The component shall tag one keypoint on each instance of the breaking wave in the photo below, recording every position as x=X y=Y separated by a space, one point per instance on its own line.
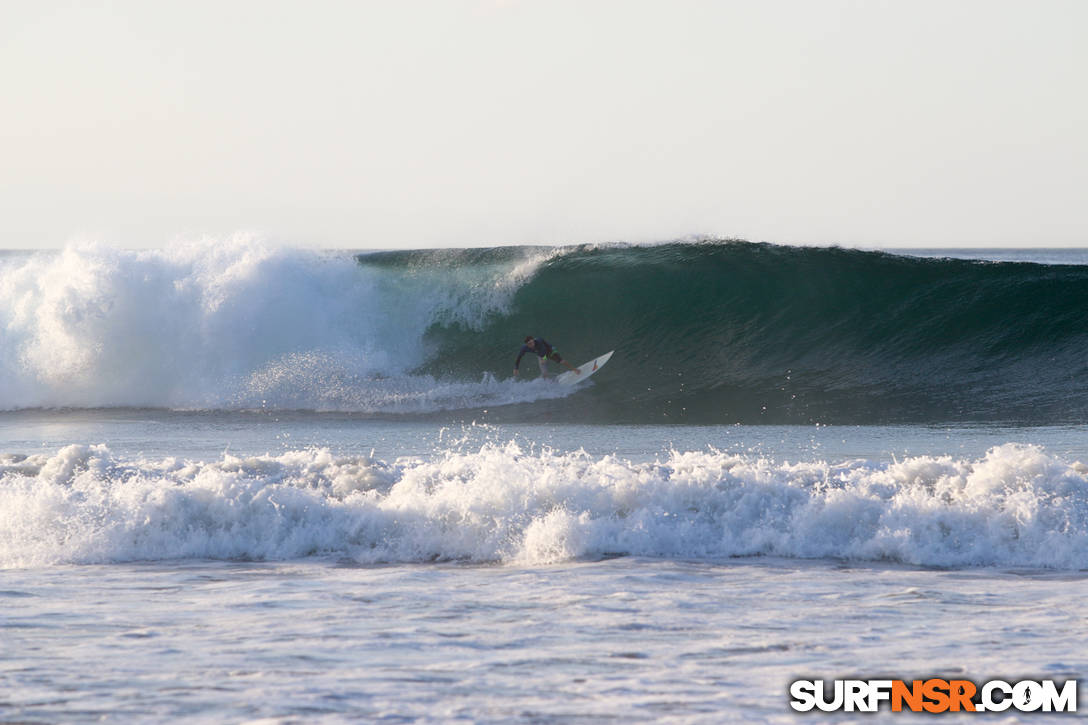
x=711 y=332
x=1016 y=506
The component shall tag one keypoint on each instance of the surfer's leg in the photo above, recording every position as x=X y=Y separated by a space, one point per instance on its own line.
x=555 y=356
x=543 y=366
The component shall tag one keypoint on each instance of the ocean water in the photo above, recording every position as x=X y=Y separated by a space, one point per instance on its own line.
x=244 y=483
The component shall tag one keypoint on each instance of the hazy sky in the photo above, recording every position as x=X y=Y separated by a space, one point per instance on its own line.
x=421 y=124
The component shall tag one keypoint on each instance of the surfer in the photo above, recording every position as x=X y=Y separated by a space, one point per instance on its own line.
x=545 y=352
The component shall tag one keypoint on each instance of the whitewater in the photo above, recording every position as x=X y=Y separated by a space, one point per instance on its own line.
x=242 y=482
x=1015 y=506
x=237 y=325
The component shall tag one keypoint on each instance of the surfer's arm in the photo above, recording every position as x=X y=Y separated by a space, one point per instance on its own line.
x=517 y=363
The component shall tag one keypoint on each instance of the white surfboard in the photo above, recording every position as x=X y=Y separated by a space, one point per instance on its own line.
x=571 y=378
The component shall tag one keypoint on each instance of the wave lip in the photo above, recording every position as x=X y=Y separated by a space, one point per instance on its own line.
x=1015 y=507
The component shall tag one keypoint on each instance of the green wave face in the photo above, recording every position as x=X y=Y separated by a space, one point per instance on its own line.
x=734 y=332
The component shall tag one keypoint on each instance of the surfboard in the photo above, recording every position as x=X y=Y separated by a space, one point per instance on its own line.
x=572 y=378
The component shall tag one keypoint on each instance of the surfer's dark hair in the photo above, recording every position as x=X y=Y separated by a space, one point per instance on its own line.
x=528 y=337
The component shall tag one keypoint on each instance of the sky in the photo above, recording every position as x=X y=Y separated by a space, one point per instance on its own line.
x=415 y=123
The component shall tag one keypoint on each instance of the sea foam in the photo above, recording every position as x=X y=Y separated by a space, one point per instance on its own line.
x=1017 y=506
